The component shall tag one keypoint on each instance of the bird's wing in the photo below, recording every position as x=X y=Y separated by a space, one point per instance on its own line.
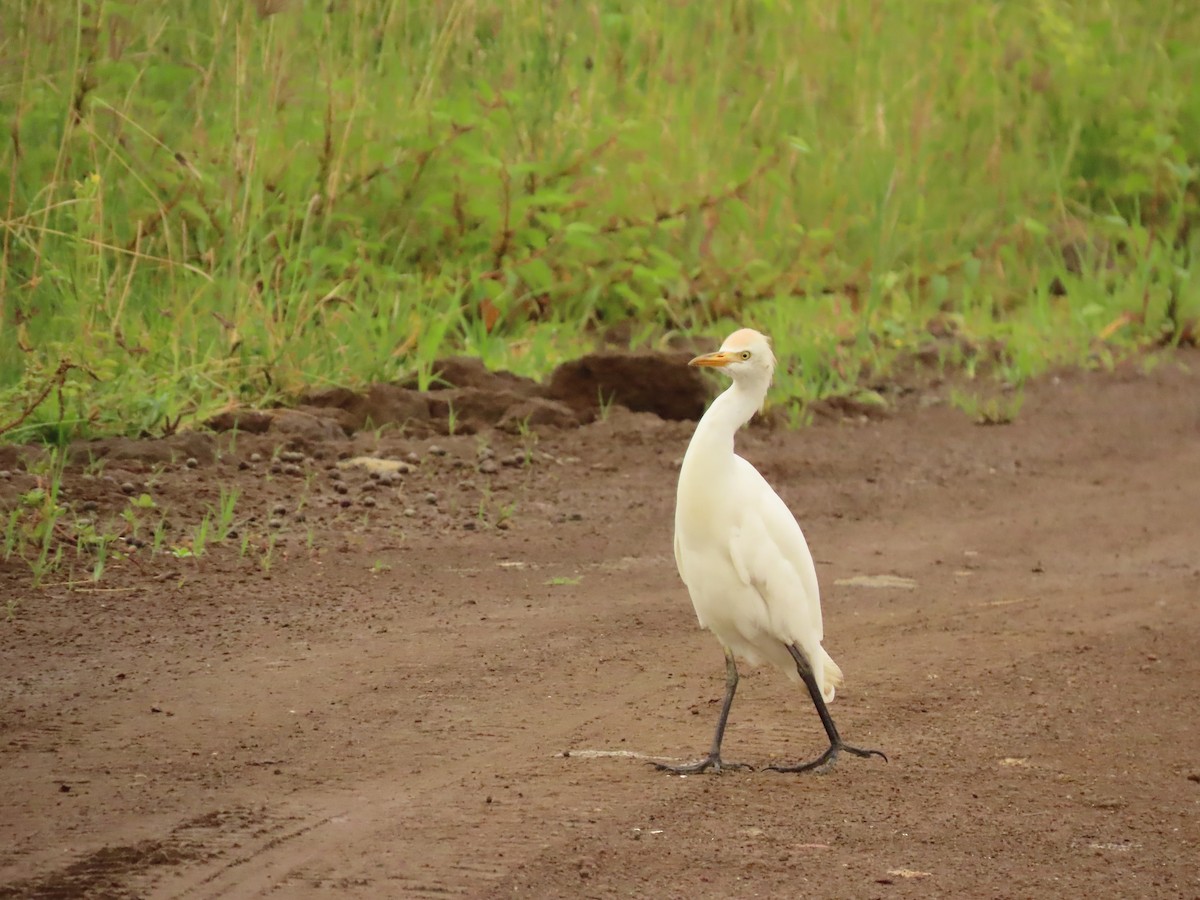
x=769 y=553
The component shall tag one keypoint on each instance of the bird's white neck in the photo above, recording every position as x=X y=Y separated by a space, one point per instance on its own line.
x=729 y=412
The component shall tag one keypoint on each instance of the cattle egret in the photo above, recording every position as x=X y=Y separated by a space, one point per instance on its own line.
x=743 y=557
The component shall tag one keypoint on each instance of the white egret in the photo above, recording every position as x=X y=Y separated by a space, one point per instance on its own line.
x=743 y=557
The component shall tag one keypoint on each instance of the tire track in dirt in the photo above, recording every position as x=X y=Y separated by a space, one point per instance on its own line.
x=278 y=848
x=313 y=853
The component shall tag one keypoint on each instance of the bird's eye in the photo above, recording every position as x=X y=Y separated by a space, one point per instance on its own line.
x=745 y=354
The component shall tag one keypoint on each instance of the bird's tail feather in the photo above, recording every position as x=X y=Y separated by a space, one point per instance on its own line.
x=829 y=676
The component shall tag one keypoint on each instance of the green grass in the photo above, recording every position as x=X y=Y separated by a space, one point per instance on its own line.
x=216 y=202
x=49 y=535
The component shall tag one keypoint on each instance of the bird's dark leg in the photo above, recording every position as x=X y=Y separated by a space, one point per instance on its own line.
x=836 y=745
x=713 y=760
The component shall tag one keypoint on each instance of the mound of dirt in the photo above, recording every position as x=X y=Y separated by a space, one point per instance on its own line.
x=382 y=404
x=661 y=383
x=468 y=372
x=177 y=448
x=466 y=397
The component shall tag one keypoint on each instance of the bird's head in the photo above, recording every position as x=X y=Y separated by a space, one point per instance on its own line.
x=745 y=356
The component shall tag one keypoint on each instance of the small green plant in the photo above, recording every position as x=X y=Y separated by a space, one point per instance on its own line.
x=563 y=580
x=197 y=544
x=200 y=536
x=493 y=514
x=267 y=558
x=993 y=408
x=12 y=533
x=89 y=541
x=799 y=415
x=605 y=403
x=225 y=509
x=529 y=439
x=132 y=514
x=101 y=549
x=159 y=536
x=34 y=528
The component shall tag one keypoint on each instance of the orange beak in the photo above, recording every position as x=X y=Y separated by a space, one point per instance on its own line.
x=715 y=360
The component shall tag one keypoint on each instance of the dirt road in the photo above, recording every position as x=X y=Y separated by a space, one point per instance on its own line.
x=450 y=684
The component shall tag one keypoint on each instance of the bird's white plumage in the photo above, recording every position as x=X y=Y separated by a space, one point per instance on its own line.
x=738 y=547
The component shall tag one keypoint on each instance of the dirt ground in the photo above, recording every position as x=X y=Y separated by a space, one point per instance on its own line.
x=449 y=681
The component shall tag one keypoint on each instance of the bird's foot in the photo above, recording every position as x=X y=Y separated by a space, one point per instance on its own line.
x=702 y=765
x=825 y=761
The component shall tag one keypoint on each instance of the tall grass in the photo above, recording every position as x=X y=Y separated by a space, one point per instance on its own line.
x=212 y=202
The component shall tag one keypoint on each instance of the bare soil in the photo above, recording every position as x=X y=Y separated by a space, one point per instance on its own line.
x=450 y=681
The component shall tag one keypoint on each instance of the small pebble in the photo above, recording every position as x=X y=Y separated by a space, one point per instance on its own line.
x=5 y=474
x=576 y=517
x=373 y=475
x=488 y=467
x=502 y=524
x=255 y=457
x=515 y=460
x=385 y=478
x=409 y=511
x=191 y=462
x=335 y=475
x=292 y=456
x=345 y=502
x=431 y=498
x=340 y=487
x=413 y=457
x=88 y=506
x=276 y=468
x=243 y=465
x=469 y=526
x=436 y=450
x=128 y=488
x=292 y=469
x=368 y=486
x=486 y=453
x=275 y=523
x=278 y=510
x=368 y=501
